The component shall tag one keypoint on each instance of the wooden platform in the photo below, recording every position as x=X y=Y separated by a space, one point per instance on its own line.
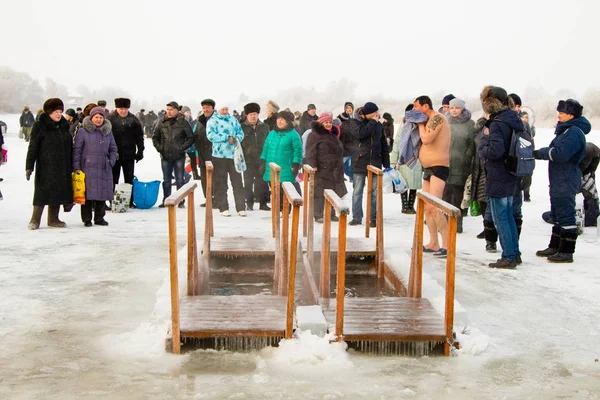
x=242 y=246
x=354 y=246
x=232 y=316
x=387 y=319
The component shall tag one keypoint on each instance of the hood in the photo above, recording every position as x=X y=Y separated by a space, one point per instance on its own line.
x=89 y=126
x=480 y=123
x=511 y=118
x=492 y=105
x=415 y=116
x=580 y=122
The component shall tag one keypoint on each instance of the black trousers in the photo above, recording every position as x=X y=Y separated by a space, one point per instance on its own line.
x=453 y=194
x=193 y=164
x=222 y=168
x=319 y=208
x=97 y=206
x=128 y=167
x=254 y=185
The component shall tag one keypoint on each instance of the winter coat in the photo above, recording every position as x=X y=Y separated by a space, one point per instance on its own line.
x=27 y=119
x=95 y=153
x=478 y=167
x=348 y=140
x=272 y=122
x=462 y=147
x=284 y=148
x=493 y=148
x=565 y=153
x=388 y=129
x=149 y=120
x=324 y=151
x=129 y=136
x=203 y=145
x=141 y=117
x=254 y=141
x=590 y=159
x=372 y=148
x=413 y=176
x=172 y=137
x=49 y=155
x=218 y=130
x=305 y=120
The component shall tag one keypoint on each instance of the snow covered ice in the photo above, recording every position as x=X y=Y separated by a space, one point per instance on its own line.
x=84 y=313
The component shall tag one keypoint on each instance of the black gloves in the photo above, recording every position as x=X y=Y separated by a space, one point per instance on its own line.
x=28 y=174
x=139 y=156
x=536 y=155
x=295 y=169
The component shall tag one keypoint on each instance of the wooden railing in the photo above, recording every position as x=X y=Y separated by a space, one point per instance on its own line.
x=415 y=280
x=379 y=256
x=308 y=224
x=193 y=284
x=289 y=251
x=276 y=217
x=208 y=223
x=333 y=200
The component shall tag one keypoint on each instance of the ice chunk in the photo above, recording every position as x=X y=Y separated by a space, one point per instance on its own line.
x=311 y=318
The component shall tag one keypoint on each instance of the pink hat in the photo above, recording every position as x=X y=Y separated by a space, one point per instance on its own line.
x=326 y=116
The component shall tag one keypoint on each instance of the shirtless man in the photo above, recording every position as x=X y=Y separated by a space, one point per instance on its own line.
x=435 y=158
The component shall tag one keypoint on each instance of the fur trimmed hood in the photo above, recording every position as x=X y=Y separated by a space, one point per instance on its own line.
x=491 y=104
x=319 y=128
x=50 y=124
x=89 y=126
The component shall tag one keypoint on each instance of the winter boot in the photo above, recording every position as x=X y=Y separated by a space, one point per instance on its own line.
x=36 y=217
x=505 y=264
x=491 y=236
x=566 y=248
x=554 y=244
x=404 y=197
x=519 y=223
x=410 y=206
x=53 y=220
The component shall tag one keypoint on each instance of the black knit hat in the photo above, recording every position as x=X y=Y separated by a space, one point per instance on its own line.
x=311 y=106
x=369 y=108
x=121 y=102
x=447 y=98
x=288 y=116
x=52 y=105
x=348 y=103
x=516 y=99
x=570 y=106
x=500 y=94
x=208 y=102
x=71 y=113
x=251 y=108
x=174 y=104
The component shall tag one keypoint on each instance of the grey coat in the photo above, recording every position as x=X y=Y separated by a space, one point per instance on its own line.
x=95 y=153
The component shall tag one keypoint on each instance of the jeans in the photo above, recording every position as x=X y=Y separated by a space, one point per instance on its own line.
x=358 y=182
x=348 y=166
x=502 y=213
x=168 y=169
x=518 y=201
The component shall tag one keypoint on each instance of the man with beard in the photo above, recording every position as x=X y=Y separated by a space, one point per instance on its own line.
x=203 y=145
x=129 y=137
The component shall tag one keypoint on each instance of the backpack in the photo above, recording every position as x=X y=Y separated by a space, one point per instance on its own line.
x=520 y=160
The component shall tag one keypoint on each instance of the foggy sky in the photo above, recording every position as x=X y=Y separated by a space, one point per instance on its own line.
x=198 y=49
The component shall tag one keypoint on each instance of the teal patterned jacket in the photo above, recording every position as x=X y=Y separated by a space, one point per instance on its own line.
x=218 y=130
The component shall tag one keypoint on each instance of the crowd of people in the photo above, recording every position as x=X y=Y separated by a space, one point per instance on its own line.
x=441 y=151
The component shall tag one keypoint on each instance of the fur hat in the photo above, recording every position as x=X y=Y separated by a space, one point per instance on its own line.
x=516 y=99
x=570 y=106
x=326 y=116
x=495 y=99
x=208 y=102
x=87 y=109
x=102 y=103
x=274 y=106
x=52 y=105
x=251 y=108
x=369 y=108
x=458 y=103
x=288 y=116
x=447 y=98
x=97 y=110
x=122 y=102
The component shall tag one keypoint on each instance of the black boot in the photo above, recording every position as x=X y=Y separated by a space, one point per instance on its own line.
x=519 y=223
x=404 y=197
x=410 y=206
x=554 y=244
x=482 y=234
x=566 y=248
x=490 y=235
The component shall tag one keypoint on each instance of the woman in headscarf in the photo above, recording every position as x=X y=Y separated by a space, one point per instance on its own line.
x=49 y=153
x=95 y=153
x=325 y=153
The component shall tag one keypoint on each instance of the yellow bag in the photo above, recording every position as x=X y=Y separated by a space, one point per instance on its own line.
x=79 y=187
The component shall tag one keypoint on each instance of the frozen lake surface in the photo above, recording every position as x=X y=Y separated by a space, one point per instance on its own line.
x=84 y=314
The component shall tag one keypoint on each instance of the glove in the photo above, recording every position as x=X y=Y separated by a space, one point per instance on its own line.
x=295 y=169
x=28 y=174
x=536 y=155
x=139 y=157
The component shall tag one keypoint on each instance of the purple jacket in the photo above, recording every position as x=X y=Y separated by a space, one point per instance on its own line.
x=95 y=153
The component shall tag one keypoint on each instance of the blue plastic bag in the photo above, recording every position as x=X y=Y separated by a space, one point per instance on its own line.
x=145 y=194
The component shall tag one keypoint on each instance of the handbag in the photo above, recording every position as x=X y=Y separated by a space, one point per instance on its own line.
x=474 y=208
x=78 y=187
x=238 y=158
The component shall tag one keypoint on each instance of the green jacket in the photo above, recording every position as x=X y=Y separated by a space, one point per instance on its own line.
x=284 y=149
x=462 y=148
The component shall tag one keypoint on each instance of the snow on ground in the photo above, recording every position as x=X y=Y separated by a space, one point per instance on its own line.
x=84 y=312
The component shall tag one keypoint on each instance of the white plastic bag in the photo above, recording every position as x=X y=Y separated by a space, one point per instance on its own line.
x=399 y=186
x=122 y=198
x=388 y=185
x=238 y=158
